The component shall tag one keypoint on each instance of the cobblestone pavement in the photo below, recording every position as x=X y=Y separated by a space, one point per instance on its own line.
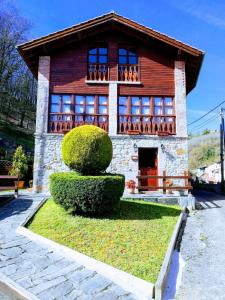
x=203 y=251
x=42 y=271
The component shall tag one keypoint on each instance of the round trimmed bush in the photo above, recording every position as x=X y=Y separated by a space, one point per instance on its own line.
x=94 y=195
x=87 y=149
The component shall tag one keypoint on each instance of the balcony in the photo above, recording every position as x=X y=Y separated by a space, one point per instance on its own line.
x=98 y=72
x=63 y=122
x=128 y=72
x=149 y=125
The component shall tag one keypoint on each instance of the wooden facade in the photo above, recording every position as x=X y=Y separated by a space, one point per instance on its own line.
x=87 y=57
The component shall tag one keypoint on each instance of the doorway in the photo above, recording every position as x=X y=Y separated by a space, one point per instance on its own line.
x=148 y=165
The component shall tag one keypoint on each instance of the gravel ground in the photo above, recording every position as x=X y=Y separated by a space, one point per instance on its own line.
x=203 y=251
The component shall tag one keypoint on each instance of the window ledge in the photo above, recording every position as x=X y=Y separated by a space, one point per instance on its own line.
x=113 y=81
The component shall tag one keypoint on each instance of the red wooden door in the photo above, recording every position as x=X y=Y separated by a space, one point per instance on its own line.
x=148 y=165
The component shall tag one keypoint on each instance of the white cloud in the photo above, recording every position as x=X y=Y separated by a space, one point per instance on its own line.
x=213 y=13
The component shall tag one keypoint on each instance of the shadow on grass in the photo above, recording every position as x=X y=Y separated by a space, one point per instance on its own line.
x=141 y=211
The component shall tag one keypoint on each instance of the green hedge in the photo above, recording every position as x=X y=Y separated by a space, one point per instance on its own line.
x=87 y=149
x=87 y=194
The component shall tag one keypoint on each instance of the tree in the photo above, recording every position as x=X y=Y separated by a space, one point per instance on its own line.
x=206 y=131
x=17 y=85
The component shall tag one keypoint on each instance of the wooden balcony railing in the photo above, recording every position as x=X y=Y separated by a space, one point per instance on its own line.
x=165 y=186
x=98 y=72
x=128 y=73
x=142 y=124
x=63 y=122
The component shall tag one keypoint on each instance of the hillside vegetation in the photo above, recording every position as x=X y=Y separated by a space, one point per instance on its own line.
x=204 y=150
x=17 y=84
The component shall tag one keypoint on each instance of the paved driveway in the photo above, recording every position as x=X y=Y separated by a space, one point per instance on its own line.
x=42 y=271
x=203 y=251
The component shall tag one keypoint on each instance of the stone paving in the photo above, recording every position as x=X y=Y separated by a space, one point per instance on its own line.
x=42 y=271
x=203 y=251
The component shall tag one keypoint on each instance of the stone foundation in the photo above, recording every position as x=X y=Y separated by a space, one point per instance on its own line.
x=172 y=156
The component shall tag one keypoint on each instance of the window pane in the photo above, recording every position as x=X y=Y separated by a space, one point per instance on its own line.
x=158 y=111
x=135 y=100
x=132 y=52
x=102 y=110
x=122 y=60
x=103 y=59
x=66 y=118
x=66 y=99
x=168 y=110
x=102 y=50
x=135 y=119
x=102 y=100
x=90 y=109
x=122 y=100
x=145 y=110
x=122 y=110
x=79 y=109
x=145 y=101
x=93 y=51
x=133 y=60
x=54 y=108
x=158 y=101
x=168 y=101
x=79 y=100
x=135 y=110
x=145 y=119
x=92 y=59
x=66 y=108
x=55 y=99
x=90 y=100
x=122 y=51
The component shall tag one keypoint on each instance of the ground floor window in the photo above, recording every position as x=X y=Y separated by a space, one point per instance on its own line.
x=67 y=111
x=146 y=115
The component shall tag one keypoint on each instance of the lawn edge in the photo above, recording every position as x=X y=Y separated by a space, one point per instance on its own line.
x=141 y=288
x=14 y=290
x=165 y=268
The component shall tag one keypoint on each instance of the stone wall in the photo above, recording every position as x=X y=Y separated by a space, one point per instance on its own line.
x=48 y=158
x=173 y=159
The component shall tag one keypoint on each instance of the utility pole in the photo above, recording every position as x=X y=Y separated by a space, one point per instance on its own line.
x=222 y=149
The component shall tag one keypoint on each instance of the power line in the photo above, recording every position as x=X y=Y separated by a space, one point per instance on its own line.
x=203 y=124
x=206 y=113
x=209 y=120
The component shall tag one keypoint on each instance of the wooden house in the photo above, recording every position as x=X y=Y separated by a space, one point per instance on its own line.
x=122 y=76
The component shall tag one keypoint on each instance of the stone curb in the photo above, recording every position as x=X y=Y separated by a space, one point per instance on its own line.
x=13 y=290
x=142 y=289
x=164 y=271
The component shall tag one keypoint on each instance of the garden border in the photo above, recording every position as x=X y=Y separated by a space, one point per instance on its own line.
x=139 y=287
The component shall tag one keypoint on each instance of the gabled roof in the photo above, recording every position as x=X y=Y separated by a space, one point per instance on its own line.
x=41 y=46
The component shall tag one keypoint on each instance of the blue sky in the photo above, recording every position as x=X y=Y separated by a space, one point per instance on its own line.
x=200 y=23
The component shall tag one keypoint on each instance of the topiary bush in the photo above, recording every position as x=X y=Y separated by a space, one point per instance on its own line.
x=87 y=149
x=94 y=195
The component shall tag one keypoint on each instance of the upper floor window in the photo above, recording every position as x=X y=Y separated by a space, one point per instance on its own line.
x=98 y=63
x=128 y=64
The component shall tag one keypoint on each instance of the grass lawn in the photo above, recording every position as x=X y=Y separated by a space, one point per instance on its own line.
x=134 y=240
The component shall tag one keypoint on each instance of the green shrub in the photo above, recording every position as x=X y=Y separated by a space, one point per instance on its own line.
x=87 y=194
x=87 y=149
x=19 y=165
